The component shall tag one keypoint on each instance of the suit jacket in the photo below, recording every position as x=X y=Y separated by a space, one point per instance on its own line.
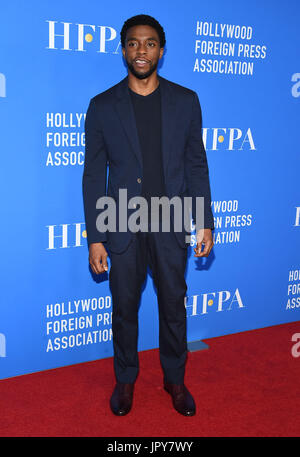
x=112 y=143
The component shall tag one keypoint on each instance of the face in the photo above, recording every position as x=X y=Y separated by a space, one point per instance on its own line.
x=142 y=50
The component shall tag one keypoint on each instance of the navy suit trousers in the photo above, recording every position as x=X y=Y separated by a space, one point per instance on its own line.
x=167 y=261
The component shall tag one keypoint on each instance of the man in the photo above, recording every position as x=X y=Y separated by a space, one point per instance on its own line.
x=147 y=130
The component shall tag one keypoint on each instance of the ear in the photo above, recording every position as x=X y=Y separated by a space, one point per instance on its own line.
x=161 y=51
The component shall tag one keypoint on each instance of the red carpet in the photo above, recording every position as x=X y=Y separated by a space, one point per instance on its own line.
x=246 y=384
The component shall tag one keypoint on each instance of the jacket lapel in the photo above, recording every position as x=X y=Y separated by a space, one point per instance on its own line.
x=168 y=117
x=125 y=112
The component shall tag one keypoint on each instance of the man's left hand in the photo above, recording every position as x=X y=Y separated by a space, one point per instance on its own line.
x=204 y=237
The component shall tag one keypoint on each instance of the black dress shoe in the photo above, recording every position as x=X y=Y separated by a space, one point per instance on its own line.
x=121 y=399
x=183 y=401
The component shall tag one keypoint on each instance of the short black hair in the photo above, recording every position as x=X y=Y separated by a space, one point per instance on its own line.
x=143 y=19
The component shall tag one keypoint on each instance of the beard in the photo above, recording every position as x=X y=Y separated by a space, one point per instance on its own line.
x=142 y=75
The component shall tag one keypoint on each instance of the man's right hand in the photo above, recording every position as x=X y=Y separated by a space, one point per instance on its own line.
x=98 y=258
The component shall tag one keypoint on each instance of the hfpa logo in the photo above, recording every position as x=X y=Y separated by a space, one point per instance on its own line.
x=66 y=36
x=229 y=139
x=221 y=300
x=66 y=235
x=2 y=345
x=2 y=85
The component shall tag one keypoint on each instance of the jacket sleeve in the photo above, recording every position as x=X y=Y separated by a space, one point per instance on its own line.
x=196 y=168
x=95 y=173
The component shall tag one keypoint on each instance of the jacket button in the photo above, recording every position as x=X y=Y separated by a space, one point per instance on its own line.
x=139 y=180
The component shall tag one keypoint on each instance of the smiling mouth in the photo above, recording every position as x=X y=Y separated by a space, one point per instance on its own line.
x=141 y=62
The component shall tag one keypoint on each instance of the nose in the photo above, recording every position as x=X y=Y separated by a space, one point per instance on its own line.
x=142 y=49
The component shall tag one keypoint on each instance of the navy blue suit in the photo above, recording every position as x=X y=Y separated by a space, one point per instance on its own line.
x=112 y=142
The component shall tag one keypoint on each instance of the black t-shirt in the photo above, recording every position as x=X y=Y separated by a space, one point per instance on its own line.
x=147 y=109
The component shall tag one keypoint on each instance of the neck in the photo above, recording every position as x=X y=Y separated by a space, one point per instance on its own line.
x=143 y=86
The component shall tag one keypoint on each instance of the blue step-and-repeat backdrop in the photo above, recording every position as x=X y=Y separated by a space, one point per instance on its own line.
x=242 y=58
